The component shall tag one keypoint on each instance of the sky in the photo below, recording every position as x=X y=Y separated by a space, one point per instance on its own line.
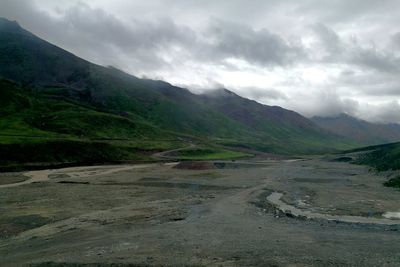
x=317 y=57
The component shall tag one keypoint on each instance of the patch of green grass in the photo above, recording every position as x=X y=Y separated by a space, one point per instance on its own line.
x=394 y=182
x=210 y=175
x=10 y=226
x=305 y=145
x=28 y=221
x=381 y=158
x=208 y=154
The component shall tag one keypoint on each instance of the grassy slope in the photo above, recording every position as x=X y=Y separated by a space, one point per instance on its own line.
x=382 y=158
x=283 y=131
x=35 y=128
x=208 y=153
x=41 y=129
x=393 y=182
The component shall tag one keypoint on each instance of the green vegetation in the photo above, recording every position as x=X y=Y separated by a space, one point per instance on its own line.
x=67 y=264
x=291 y=146
x=10 y=226
x=64 y=151
x=208 y=154
x=394 y=182
x=382 y=157
x=209 y=175
x=38 y=130
x=38 y=114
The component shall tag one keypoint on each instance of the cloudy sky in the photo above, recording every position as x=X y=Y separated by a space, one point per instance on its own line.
x=314 y=56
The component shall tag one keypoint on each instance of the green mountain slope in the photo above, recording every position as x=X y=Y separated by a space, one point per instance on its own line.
x=36 y=64
x=38 y=128
x=56 y=95
x=34 y=114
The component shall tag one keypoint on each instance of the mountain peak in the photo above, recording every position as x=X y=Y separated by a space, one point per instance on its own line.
x=12 y=26
x=9 y=25
x=221 y=92
x=347 y=116
x=343 y=116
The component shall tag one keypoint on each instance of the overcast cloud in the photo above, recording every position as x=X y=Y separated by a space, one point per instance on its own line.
x=314 y=56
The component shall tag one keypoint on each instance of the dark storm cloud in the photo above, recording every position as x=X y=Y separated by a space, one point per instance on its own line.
x=148 y=41
x=387 y=112
x=389 y=90
x=379 y=60
x=328 y=103
x=101 y=36
x=329 y=39
x=336 y=50
x=96 y=24
x=231 y=40
x=395 y=40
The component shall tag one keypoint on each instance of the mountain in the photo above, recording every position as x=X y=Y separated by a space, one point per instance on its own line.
x=39 y=66
x=282 y=127
x=359 y=130
x=61 y=96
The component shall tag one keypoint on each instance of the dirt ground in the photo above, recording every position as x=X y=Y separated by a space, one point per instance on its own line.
x=216 y=215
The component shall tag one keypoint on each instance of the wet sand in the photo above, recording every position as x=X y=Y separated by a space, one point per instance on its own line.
x=275 y=199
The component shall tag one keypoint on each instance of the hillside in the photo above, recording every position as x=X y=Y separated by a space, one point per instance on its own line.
x=36 y=65
x=277 y=123
x=359 y=130
x=50 y=93
x=39 y=129
x=381 y=157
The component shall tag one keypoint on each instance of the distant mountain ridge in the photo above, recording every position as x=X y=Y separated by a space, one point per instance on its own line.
x=360 y=130
x=256 y=115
